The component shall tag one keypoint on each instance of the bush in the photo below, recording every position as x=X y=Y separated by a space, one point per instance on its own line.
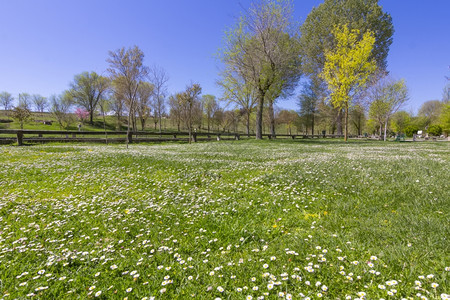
x=411 y=130
x=434 y=130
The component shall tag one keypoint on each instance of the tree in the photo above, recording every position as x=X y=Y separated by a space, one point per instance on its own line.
x=21 y=114
x=400 y=121
x=358 y=117
x=159 y=79
x=40 y=103
x=188 y=98
x=127 y=71
x=237 y=91
x=312 y=93
x=6 y=100
x=25 y=101
x=348 y=67
x=175 y=104
x=81 y=114
x=87 y=89
x=387 y=97
x=444 y=118
x=263 y=49
x=430 y=111
x=287 y=117
x=210 y=106
x=144 y=94
x=60 y=107
x=363 y=15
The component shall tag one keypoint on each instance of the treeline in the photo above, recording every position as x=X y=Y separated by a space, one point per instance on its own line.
x=339 y=54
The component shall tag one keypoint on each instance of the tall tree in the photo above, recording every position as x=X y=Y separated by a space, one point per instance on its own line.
x=159 y=79
x=60 y=107
x=264 y=50
x=25 y=101
x=188 y=98
x=210 y=106
x=6 y=100
x=127 y=70
x=388 y=96
x=87 y=89
x=348 y=67
x=40 y=102
x=363 y=15
x=236 y=90
x=430 y=111
x=313 y=92
x=400 y=120
x=175 y=104
x=143 y=105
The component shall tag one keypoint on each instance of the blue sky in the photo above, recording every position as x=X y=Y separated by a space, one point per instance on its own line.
x=44 y=43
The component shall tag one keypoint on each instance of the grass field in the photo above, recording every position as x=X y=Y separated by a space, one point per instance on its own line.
x=229 y=220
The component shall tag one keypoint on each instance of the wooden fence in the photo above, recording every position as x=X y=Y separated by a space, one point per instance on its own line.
x=9 y=136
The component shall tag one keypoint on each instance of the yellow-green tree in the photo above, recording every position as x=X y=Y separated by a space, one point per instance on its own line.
x=348 y=67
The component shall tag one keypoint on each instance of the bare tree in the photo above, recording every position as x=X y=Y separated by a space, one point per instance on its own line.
x=25 y=101
x=188 y=98
x=145 y=91
x=127 y=71
x=159 y=79
x=210 y=106
x=40 y=102
x=60 y=107
x=6 y=100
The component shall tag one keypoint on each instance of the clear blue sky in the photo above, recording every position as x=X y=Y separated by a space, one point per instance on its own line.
x=44 y=43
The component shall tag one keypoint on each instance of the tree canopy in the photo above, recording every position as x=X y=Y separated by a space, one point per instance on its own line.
x=362 y=15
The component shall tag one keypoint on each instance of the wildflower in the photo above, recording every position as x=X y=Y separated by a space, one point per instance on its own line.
x=129 y=290
x=92 y=288
x=265 y=266
x=98 y=293
x=434 y=285
x=220 y=289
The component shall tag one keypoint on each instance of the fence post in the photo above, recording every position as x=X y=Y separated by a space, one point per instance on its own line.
x=236 y=136
x=130 y=137
x=20 y=138
x=194 y=137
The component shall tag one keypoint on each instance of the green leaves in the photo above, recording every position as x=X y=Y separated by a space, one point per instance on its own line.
x=348 y=66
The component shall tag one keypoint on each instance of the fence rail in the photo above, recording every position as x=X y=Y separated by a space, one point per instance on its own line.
x=9 y=136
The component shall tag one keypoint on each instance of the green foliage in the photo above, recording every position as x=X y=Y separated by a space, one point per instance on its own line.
x=444 y=118
x=172 y=221
x=362 y=15
x=434 y=130
x=410 y=130
x=400 y=120
x=348 y=66
x=21 y=114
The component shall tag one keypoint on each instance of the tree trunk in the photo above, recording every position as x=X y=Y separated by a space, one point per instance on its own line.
x=248 y=124
x=259 y=114
x=91 y=117
x=143 y=123
x=159 y=115
x=346 y=122
x=271 y=119
x=385 y=129
x=312 y=123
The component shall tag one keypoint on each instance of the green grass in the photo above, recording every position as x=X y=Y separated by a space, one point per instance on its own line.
x=225 y=220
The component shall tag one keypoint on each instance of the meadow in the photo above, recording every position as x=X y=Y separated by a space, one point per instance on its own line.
x=229 y=220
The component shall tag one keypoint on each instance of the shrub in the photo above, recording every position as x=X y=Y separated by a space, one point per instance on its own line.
x=411 y=130
x=434 y=130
